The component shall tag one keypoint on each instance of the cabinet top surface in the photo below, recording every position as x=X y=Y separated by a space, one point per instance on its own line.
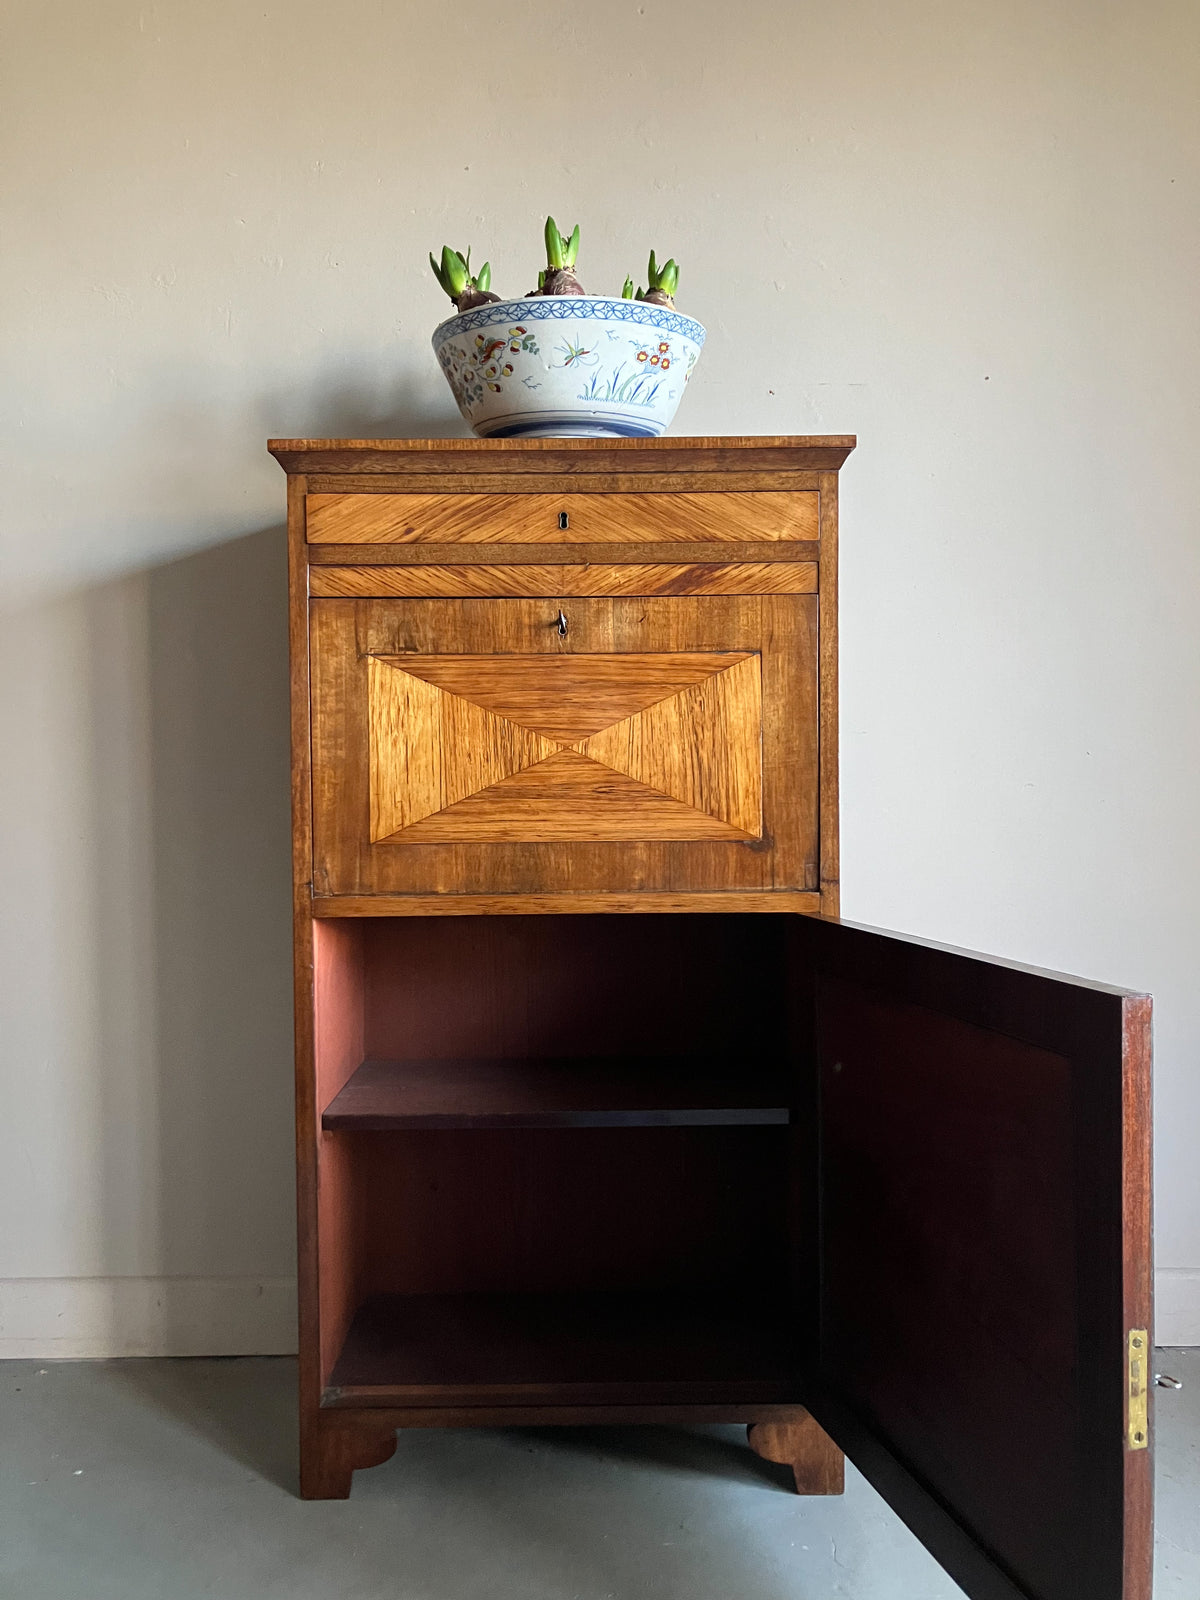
x=798 y=451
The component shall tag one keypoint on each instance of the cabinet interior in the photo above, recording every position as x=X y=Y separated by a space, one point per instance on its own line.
x=561 y=1158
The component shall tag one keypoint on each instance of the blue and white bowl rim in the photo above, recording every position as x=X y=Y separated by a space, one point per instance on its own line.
x=564 y=307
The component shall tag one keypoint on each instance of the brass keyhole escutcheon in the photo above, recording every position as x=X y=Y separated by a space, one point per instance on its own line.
x=564 y=519
x=562 y=623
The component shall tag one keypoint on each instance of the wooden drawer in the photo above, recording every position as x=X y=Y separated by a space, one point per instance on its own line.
x=467 y=747
x=758 y=515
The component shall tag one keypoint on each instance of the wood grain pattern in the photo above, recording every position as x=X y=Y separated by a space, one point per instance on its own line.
x=461 y=458
x=569 y=798
x=818 y=1466
x=430 y=749
x=471 y=747
x=793 y=481
x=539 y=518
x=489 y=581
x=566 y=903
x=567 y=697
x=552 y=555
x=781 y=629
x=702 y=746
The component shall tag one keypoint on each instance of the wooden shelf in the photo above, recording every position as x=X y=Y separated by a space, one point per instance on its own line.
x=618 y=1092
x=497 y=1349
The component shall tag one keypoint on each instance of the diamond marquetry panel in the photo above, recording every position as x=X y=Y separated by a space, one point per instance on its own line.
x=587 y=747
x=701 y=745
x=568 y=797
x=566 y=697
x=666 y=746
x=430 y=749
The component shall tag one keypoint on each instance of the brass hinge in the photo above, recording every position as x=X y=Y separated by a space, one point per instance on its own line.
x=1138 y=1364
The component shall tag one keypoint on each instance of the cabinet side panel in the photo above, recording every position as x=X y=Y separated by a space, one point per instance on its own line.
x=829 y=820
x=302 y=948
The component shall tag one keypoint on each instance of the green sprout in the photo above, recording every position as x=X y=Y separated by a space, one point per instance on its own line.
x=627 y=291
x=663 y=283
x=561 y=252
x=454 y=274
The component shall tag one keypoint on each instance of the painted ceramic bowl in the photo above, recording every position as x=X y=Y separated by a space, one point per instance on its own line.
x=568 y=366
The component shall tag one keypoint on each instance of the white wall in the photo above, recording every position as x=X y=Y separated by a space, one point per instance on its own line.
x=966 y=231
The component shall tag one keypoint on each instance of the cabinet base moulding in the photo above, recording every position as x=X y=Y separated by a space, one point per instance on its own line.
x=485 y=905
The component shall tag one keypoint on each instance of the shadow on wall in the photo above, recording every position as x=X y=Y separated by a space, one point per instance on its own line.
x=218 y=677
x=193 y=945
x=185 y=995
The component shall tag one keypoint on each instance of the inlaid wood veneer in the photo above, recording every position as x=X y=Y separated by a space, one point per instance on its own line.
x=558 y=519
x=564 y=580
x=565 y=747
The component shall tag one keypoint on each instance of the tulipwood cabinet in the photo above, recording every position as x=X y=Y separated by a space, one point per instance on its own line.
x=602 y=1114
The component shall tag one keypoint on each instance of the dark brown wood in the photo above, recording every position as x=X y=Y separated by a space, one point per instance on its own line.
x=498 y=1349
x=982 y=1255
x=606 y=1414
x=568 y=1211
x=594 y=1092
x=533 y=988
x=818 y=1466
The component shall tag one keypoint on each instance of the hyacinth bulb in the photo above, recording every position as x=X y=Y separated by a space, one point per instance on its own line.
x=453 y=272
x=562 y=252
x=662 y=283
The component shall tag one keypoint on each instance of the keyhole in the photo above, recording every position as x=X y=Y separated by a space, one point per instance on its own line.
x=562 y=624
x=564 y=520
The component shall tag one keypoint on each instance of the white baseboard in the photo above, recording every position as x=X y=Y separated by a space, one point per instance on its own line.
x=1177 y=1306
x=53 y=1318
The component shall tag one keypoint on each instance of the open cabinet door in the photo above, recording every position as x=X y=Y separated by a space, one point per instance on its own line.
x=984 y=1135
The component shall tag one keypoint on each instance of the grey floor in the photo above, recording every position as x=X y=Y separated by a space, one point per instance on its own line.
x=172 y=1480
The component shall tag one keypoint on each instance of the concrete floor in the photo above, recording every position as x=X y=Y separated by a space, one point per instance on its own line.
x=172 y=1480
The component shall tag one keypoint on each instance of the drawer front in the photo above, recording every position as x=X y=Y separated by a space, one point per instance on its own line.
x=473 y=747
x=755 y=516
x=570 y=579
